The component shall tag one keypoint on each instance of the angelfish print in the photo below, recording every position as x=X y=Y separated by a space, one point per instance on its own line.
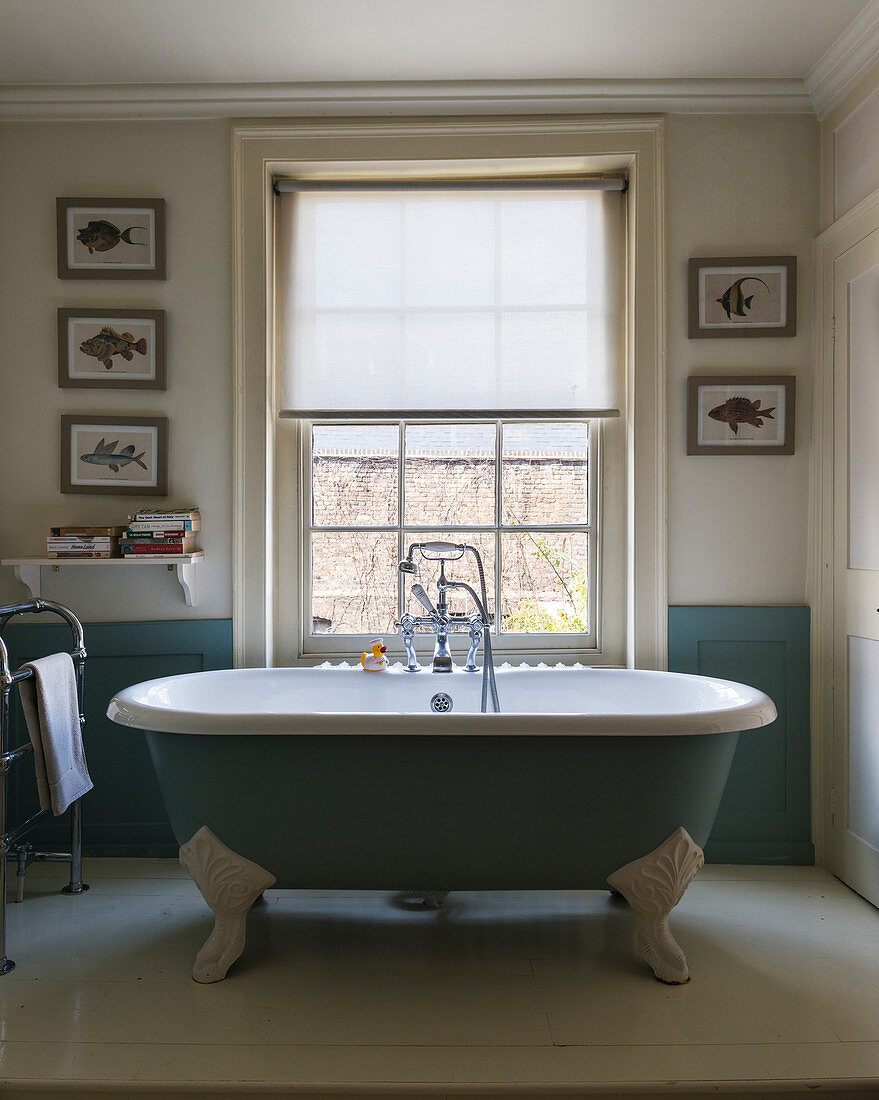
x=103 y=456
x=734 y=301
x=740 y=410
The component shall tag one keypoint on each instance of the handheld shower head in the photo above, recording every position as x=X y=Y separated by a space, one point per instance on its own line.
x=407 y=565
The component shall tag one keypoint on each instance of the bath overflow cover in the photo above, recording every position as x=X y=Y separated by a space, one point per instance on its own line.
x=441 y=702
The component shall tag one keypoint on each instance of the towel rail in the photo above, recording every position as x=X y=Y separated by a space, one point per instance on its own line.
x=10 y=848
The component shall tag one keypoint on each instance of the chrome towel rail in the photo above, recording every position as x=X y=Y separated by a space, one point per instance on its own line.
x=10 y=838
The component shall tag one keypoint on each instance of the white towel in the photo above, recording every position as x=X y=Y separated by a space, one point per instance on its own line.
x=51 y=708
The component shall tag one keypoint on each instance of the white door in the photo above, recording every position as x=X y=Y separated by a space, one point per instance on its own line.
x=855 y=806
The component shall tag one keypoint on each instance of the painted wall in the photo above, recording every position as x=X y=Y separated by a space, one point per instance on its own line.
x=736 y=185
x=739 y=186
x=187 y=164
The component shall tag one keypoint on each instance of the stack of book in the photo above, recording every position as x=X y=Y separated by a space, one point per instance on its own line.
x=171 y=531
x=83 y=542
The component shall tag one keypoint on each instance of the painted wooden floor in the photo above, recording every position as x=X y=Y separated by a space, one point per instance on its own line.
x=516 y=994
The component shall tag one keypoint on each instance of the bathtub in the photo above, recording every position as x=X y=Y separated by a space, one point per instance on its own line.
x=336 y=778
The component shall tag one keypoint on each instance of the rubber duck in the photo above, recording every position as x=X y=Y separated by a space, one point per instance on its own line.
x=375 y=661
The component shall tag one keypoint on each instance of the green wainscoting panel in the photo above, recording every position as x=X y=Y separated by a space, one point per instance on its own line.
x=765 y=815
x=124 y=815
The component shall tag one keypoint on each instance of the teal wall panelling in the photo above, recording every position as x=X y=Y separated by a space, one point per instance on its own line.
x=765 y=815
x=124 y=814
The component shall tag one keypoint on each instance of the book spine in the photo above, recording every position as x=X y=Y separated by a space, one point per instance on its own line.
x=164 y=517
x=146 y=536
x=81 y=554
x=160 y=532
x=86 y=532
x=77 y=540
x=106 y=546
x=145 y=549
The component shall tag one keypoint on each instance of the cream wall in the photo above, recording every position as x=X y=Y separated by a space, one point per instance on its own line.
x=736 y=185
x=187 y=164
x=739 y=186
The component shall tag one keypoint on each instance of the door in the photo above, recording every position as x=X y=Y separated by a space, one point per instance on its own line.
x=854 y=830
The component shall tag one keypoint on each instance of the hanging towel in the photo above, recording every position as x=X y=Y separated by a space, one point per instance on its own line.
x=51 y=708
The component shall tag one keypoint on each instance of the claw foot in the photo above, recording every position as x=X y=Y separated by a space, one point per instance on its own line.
x=230 y=884
x=653 y=886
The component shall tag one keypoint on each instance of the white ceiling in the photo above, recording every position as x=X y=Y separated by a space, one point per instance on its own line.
x=279 y=41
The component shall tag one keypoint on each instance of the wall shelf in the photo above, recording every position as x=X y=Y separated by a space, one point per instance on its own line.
x=28 y=570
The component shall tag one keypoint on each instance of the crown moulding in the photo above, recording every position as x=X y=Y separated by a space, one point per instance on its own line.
x=123 y=102
x=850 y=57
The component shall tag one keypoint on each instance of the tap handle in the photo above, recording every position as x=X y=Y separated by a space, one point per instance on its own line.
x=407 y=624
x=418 y=592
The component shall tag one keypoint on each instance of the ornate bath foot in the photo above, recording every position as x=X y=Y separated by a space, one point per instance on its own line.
x=230 y=884
x=653 y=885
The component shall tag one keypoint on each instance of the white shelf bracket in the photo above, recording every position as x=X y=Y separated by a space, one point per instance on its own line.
x=187 y=575
x=29 y=575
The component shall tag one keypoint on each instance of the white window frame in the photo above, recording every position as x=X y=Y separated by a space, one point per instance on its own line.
x=267 y=511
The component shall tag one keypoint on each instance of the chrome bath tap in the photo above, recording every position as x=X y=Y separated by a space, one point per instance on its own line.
x=438 y=620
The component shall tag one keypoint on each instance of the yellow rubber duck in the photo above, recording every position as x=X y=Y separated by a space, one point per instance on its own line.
x=375 y=661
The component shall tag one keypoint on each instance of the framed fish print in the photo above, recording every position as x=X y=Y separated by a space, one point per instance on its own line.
x=741 y=414
x=743 y=296
x=111 y=348
x=111 y=238
x=125 y=455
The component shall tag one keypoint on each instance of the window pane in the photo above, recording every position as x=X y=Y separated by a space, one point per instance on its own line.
x=350 y=354
x=544 y=584
x=354 y=475
x=354 y=583
x=545 y=256
x=449 y=252
x=462 y=569
x=450 y=474
x=545 y=473
x=356 y=246
x=547 y=345
x=457 y=347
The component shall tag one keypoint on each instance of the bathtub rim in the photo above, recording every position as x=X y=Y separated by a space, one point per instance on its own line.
x=755 y=712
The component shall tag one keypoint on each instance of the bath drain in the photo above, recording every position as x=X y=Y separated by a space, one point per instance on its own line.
x=441 y=702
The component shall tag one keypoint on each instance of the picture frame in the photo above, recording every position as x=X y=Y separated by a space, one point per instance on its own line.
x=111 y=349
x=741 y=414
x=110 y=238
x=735 y=296
x=90 y=443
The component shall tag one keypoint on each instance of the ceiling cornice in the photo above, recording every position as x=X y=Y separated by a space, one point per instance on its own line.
x=848 y=59
x=124 y=102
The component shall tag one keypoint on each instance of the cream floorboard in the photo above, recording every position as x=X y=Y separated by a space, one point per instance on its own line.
x=512 y=994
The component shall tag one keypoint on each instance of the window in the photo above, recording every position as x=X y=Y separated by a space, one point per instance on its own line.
x=425 y=299
x=522 y=493
x=627 y=456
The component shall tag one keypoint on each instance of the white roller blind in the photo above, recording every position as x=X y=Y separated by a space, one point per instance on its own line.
x=425 y=303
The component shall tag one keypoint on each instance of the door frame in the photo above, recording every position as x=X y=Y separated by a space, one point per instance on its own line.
x=837 y=239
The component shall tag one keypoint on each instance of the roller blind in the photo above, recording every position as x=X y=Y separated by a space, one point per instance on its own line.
x=437 y=303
